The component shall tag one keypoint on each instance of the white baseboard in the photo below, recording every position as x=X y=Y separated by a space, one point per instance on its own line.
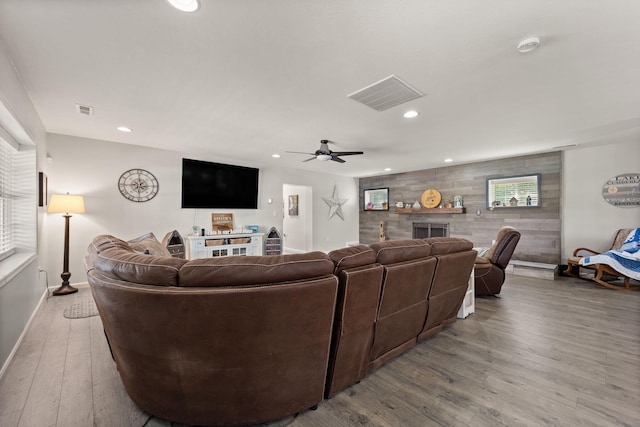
x=24 y=332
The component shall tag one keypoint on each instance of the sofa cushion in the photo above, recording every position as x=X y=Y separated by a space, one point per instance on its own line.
x=354 y=256
x=393 y=251
x=254 y=270
x=448 y=245
x=148 y=242
x=113 y=258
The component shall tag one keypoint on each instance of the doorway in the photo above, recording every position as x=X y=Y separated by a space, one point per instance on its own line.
x=297 y=224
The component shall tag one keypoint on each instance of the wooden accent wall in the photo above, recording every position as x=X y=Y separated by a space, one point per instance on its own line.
x=540 y=226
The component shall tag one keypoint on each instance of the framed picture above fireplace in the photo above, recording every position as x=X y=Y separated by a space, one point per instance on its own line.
x=376 y=199
x=521 y=191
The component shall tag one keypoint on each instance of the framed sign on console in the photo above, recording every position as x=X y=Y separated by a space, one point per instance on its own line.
x=376 y=199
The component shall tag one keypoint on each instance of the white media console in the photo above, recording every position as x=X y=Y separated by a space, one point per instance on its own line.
x=223 y=245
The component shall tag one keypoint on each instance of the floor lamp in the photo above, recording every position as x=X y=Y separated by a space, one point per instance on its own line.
x=66 y=204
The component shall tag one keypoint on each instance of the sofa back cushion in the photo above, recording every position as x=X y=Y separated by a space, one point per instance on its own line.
x=254 y=270
x=394 y=251
x=353 y=256
x=448 y=245
x=113 y=258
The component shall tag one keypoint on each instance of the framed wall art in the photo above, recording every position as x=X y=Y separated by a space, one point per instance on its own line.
x=376 y=199
x=293 y=205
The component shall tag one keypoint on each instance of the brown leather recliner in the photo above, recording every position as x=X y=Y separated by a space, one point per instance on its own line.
x=408 y=273
x=360 y=280
x=489 y=269
x=450 y=282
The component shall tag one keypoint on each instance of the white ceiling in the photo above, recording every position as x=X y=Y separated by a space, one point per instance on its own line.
x=242 y=79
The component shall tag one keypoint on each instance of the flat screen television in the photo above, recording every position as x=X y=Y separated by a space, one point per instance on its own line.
x=216 y=185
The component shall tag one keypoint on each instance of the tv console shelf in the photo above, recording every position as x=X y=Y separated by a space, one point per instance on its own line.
x=224 y=245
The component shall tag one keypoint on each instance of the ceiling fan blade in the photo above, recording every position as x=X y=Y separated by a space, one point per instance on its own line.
x=337 y=159
x=300 y=152
x=312 y=158
x=347 y=153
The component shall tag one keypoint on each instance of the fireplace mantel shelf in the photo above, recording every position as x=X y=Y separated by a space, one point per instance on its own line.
x=431 y=211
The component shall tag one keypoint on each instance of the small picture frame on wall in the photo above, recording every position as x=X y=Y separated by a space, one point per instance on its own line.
x=376 y=199
x=43 y=184
x=293 y=205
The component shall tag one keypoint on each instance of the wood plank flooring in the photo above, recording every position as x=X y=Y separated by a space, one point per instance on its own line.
x=557 y=353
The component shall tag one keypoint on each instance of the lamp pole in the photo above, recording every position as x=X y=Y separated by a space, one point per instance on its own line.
x=66 y=204
x=65 y=288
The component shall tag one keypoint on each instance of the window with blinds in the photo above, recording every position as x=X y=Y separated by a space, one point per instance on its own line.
x=7 y=154
x=514 y=191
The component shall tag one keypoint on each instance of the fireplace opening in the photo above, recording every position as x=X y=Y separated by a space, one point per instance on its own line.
x=424 y=230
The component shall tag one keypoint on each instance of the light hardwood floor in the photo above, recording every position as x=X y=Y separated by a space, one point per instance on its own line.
x=561 y=353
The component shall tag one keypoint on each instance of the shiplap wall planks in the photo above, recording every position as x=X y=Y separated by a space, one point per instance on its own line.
x=540 y=226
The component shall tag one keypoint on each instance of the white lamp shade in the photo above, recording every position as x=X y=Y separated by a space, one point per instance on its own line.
x=64 y=203
x=323 y=157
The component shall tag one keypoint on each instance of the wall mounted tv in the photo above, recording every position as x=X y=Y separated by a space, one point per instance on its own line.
x=216 y=185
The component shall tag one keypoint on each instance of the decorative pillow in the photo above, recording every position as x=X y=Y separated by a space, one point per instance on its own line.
x=482 y=251
x=148 y=242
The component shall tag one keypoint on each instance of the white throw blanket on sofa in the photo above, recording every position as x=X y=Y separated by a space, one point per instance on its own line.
x=625 y=261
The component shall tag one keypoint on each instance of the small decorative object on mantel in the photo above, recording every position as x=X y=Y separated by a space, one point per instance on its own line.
x=400 y=205
x=513 y=202
x=431 y=198
x=416 y=205
x=623 y=191
x=457 y=201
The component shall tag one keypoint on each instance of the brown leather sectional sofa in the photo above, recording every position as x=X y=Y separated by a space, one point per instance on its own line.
x=244 y=340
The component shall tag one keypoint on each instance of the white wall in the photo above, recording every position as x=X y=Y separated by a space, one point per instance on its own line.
x=91 y=168
x=21 y=291
x=588 y=220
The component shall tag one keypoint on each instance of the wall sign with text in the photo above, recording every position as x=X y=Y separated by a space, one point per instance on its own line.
x=623 y=191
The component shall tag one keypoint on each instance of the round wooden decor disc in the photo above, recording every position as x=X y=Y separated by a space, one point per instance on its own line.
x=431 y=198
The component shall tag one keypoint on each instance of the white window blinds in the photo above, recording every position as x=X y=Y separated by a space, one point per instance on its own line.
x=7 y=154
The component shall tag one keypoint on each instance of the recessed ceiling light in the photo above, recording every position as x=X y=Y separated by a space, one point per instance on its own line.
x=185 y=5
x=528 y=44
x=448 y=160
x=275 y=156
x=411 y=114
x=124 y=129
x=387 y=169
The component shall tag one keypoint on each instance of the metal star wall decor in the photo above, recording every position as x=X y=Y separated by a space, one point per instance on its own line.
x=335 y=204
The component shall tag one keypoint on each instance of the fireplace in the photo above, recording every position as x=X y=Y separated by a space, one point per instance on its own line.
x=423 y=230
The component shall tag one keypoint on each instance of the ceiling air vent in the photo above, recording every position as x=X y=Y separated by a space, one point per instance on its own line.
x=85 y=110
x=386 y=93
